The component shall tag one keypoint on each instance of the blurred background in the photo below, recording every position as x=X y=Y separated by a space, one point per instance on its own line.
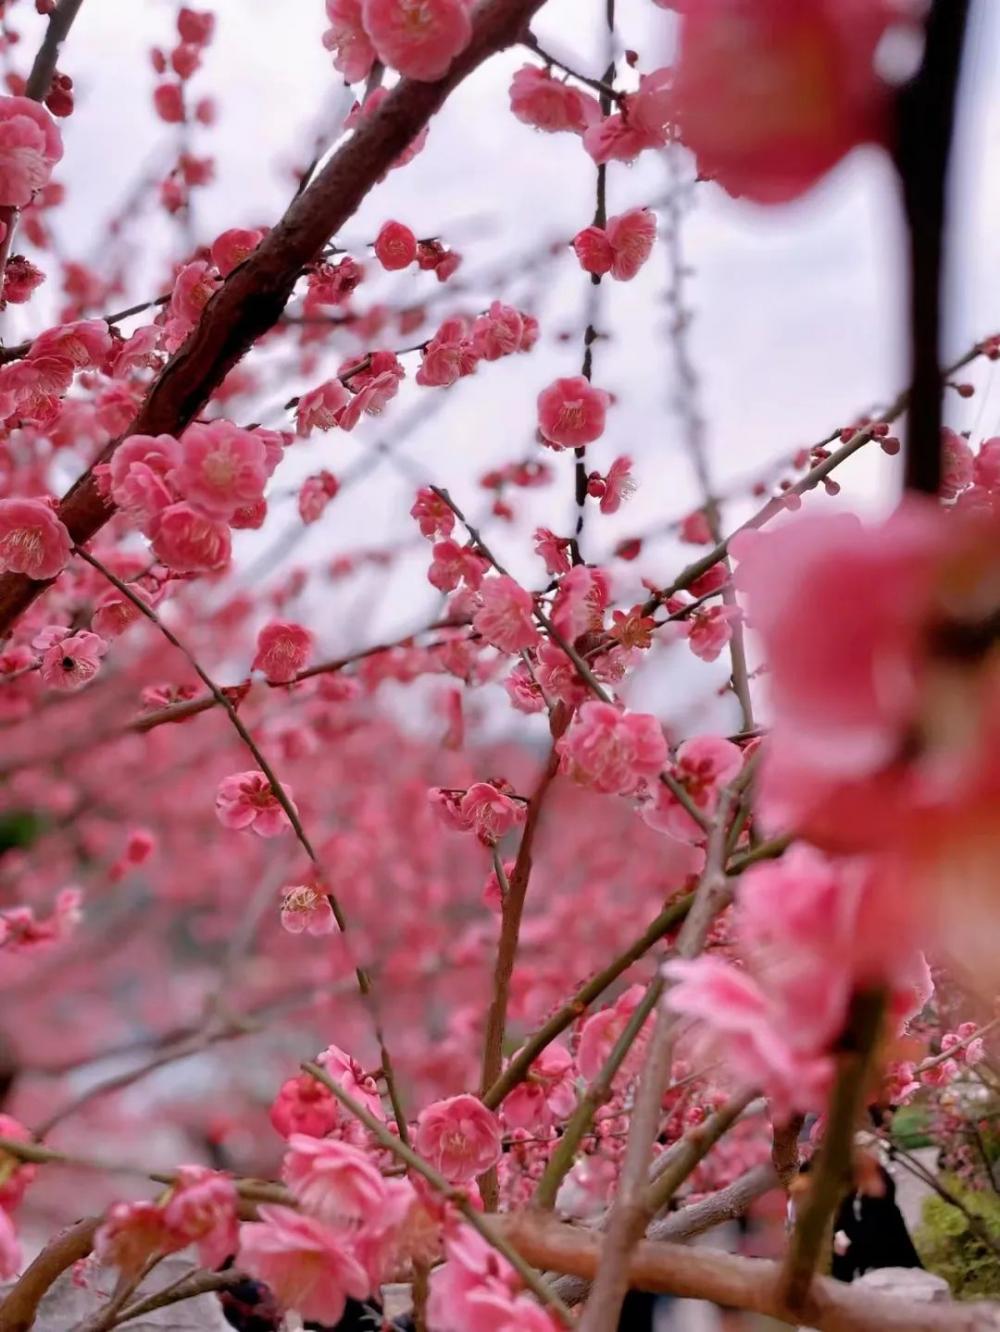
x=793 y=323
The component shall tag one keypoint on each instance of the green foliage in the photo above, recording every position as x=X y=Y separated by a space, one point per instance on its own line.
x=18 y=829
x=910 y=1127
x=950 y=1247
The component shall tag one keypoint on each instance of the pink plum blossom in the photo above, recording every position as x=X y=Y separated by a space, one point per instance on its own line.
x=85 y=342
x=581 y=600
x=346 y=1070
x=448 y=356
x=395 y=246
x=620 y=248
x=346 y=37
x=554 y=550
x=539 y=99
x=333 y=1181
x=420 y=38
x=321 y=407
x=33 y=541
x=475 y=1289
x=201 y=1210
x=132 y=1233
x=770 y=96
x=500 y=332
x=15 y=1176
x=738 y=1014
x=315 y=494
x=247 y=800
x=547 y=1095
x=221 y=468
x=957 y=464
x=571 y=413
x=618 y=485
x=73 y=661
x=230 y=248
x=305 y=909
x=459 y=1136
x=704 y=766
x=611 y=750
x=304 y=1105
x=196 y=284
x=139 y=476
x=432 y=514
x=283 y=648
x=188 y=541
x=601 y=1030
x=453 y=564
x=489 y=812
x=30 y=145
x=505 y=617
x=305 y=1263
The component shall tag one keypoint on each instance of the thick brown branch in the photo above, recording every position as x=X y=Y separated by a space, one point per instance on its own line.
x=923 y=152
x=18 y=1310
x=739 y=1283
x=60 y=21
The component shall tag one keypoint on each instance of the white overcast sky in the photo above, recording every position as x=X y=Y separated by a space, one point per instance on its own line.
x=798 y=310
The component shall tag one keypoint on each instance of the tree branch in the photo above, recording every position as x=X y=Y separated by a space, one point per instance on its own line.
x=485 y=1225
x=926 y=115
x=751 y=1284
x=44 y=66
x=519 y=1067
x=18 y=1310
x=253 y=296
x=832 y=1176
x=510 y=930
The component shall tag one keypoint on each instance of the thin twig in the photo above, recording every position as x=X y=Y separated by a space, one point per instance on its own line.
x=520 y=1066
x=693 y=423
x=606 y=90
x=478 y=1220
x=561 y=1161
x=693 y=1147
x=512 y=910
x=281 y=795
x=628 y=1217
x=779 y=504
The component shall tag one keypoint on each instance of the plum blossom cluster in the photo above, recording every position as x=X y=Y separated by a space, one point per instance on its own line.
x=871 y=778
x=186 y=494
x=30 y=146
x=419 y=38
x=488 y=809
x=620 y=248
x=340 y=1240
x=899 y=757
x=812 y=933
x=961 y=1050
x=200 y=1209
x=459 y=344
x=372 y=381
x=641 y=122
x=476 y=1288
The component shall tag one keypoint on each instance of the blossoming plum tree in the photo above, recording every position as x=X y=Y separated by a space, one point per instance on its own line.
x=599 y=970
